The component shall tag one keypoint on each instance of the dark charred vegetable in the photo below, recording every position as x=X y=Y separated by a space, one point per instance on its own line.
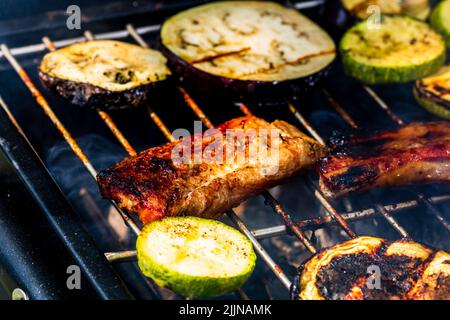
x=104 y=74
x=368 y=268
x=246 y=49
x=398 y=49
x=433 y=93
x=440 y=20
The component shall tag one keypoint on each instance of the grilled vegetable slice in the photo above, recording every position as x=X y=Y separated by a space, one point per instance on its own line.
x=415 y=8
x=440 y=19
x=400 y=49
x=433 y=93
x=246 y=47
x=103 y=73
x=195 y=257
x=405 y=269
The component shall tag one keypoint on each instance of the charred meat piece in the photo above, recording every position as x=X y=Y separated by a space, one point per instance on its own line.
x=155 y=184
x=104 y=74
x=418 y=152
x=368 y=268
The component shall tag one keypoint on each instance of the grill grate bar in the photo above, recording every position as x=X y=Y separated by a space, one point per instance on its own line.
x=103 y=115
x=65 y=42
x=400 y=122
x=231 y=214
x=65 y=133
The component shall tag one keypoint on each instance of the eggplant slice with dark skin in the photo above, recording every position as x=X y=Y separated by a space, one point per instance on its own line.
x=369 y=268
x=255 y=50
x=104 y=74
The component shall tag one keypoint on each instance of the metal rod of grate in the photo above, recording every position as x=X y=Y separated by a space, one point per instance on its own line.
x=42 y=102
x=269 y=199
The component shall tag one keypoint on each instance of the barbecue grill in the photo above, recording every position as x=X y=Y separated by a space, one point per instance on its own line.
x=50 y=154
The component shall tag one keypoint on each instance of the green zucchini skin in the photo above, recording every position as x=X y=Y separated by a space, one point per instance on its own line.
x=373 y=74
x=184 y=284
x=438 y=22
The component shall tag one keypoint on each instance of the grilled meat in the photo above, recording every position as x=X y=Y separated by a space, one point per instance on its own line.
x=155 y=186
x=368 y=268
x=418 y=152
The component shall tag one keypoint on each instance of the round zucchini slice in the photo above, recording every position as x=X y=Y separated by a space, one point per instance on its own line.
x=246 y=48
x=433 y=93
x=195 y=257
x=440 y=20
x=104 y=74
x=399 y=49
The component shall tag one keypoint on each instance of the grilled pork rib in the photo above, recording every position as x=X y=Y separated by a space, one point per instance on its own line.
x=350 y=271
x=418 y=152
x=153 y=186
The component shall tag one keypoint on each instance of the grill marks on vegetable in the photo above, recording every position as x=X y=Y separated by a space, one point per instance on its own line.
x=407 y=270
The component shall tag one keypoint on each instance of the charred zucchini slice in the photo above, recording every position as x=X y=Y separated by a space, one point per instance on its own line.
x=400 y=49
x=419 y=9
x=440 y=19
x=243 y=46
x=433 y=93
x=195 y=257
x=104 y=73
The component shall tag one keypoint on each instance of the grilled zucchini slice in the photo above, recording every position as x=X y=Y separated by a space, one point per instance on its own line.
x=419 y=9
x=433 y=93
x=104 y=73
x=195 y=257
x=440 y=20
x=400 y=49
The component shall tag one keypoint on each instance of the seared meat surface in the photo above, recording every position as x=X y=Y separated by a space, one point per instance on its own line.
x=368 y=268
x=418 y=152
x=155 y=186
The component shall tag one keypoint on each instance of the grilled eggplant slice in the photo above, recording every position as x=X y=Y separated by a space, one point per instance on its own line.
x=418 y=152
x=246 y=48
x=104 y=74
x=399 y=49
x=406 y=270
x=433 y=93
x=440 y=20
x=155 y=186
x=195 y=257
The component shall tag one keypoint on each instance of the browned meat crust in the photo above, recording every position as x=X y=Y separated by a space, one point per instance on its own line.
x=418 y=152
x=408 y=271
x=154 y=187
